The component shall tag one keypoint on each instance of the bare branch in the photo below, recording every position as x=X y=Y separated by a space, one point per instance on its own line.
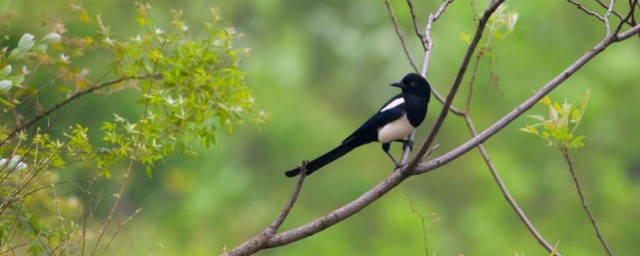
x=424 y=229
x=607 y=7
x=565 y=154
x=273 y=228
x=261 y=240
x=400 y=36
x=72 y=98
x=427 y=37
x=456 y=84
x=607 y=22
x=427 y=53
x=526 y=105
x=505 y=192
x=344 y=212
x=423 y=40
x=587 y=11
x=407 y=149
x=630 y=19
x=629 y=33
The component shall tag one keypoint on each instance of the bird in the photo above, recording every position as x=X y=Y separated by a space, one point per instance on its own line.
x=394 y=121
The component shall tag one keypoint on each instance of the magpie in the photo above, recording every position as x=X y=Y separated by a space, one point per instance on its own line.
x=395 y=120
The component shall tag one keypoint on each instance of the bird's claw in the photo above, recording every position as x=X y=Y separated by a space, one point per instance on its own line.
x=406 y=143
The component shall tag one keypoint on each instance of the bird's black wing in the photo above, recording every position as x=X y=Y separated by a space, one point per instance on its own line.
x=368 y=132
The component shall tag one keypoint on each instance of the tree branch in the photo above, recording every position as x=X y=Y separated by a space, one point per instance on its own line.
x=423 y=40
x=427 y=53
x=565 y=154
x=261 y=240
x=253 y=245
x=294 y=196
x=507 y=195
x=257 y=243
x=587 y=11
x=527 y=104
x=456 y=84
x=134 y=154
x=400 y=36
x=71 y=99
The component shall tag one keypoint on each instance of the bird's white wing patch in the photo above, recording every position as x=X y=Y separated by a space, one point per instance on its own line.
x=393 y=104
x=395 y=130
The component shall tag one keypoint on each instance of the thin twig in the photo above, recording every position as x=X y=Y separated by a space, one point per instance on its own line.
x=395 y=178
x=505 y=192
x=263 y=239
x=456 y=84
x=587 y=11
x=416 y=28
x=603 y=5
x=607 y=22
x=119 y=228
x=125 y=177
x=629 y=18
x=494 y=172
x=257 y=243
x=527 y=104
x=427 y=53
x=565 y=154
x=471 y=85
x=400 y=36
x=424 y=228
x=429 y=46
x=273 y=228
x=71 y=99
x=427 y=36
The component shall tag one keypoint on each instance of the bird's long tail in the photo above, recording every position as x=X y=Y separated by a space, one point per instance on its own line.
x=327 y=158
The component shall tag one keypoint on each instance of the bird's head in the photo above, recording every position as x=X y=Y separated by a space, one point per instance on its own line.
x=415 y=84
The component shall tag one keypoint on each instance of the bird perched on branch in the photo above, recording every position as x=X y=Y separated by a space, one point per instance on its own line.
x=393 y=122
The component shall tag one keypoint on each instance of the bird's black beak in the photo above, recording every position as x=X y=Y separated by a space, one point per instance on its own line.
x=398 y=84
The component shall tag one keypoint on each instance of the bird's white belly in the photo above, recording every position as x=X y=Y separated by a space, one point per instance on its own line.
x=398 y=129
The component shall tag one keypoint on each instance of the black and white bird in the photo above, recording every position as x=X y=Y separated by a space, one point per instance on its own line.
x=393 y=122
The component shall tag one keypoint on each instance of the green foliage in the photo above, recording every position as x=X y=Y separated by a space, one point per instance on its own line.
x=500 y=24
x=559 y=127
x=191 y=89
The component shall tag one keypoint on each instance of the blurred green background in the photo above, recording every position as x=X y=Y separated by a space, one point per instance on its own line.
x=320 y=68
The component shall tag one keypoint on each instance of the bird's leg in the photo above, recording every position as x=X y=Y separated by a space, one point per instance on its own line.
x=406 y=142
x=385 y=147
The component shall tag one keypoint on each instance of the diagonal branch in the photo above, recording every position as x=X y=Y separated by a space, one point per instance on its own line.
x=507 y=195
x=258 y=243
x=587 y=11
x=527 y=104
x=565 y=154
x=273 y=228
x=393 y=180
x=456 y=84
x=261 y=240
x=630 y=18
x=400 y=36
x=72 y=98
x=423 y=39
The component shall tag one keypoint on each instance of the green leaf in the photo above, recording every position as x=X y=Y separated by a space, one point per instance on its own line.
x=5 y=71
x=577 y=142
x=24 y=46
x=537 y=117
x=585 y=99
x=5 y=85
